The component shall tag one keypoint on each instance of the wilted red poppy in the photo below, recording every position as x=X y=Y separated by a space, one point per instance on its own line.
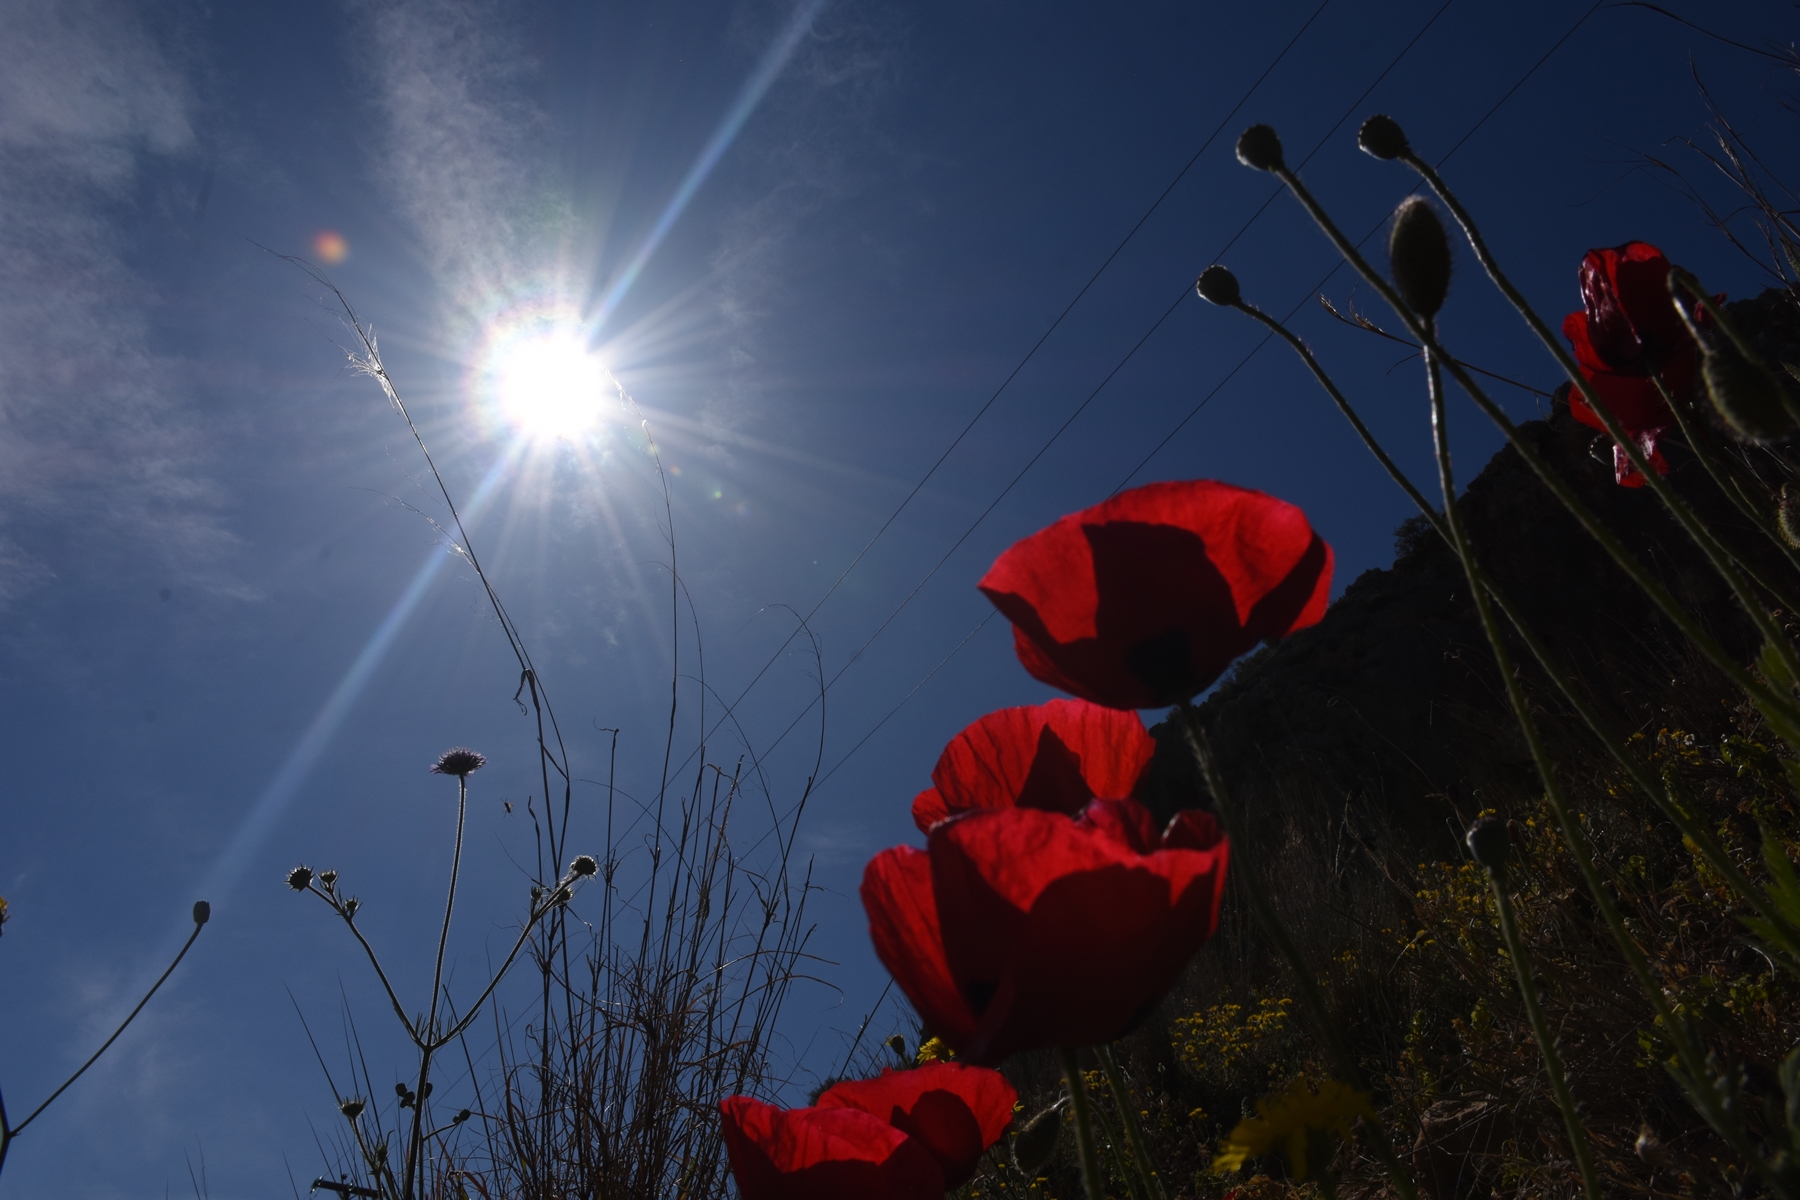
x=1145 y=599
x=1054 y=756
x=956 y=1111
x=1017 y=928
x=824 y=1154
x=1627 y=331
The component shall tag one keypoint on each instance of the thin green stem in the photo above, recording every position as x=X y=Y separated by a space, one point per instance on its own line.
x=1304 y=979
x=1440 y=445
x=1702 y=838
x=415 y=1141
x=1091 y=1182
x=1540 y=1029
x=1134 y=1134
x=1717 y=554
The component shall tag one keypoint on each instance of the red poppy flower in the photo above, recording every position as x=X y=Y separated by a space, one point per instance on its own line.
x=1017 y=928
x=956 y=1111
x=1145 y=599
x=824 y=1154
x=1627 y=331
x=1054 y=756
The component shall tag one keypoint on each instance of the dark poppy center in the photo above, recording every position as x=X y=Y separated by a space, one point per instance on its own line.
x=1163 y=665
x=977 y=994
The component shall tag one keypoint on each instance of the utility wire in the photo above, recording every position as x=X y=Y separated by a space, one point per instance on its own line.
x=1013 y=374
x=1532 y=70
x=1168 y=312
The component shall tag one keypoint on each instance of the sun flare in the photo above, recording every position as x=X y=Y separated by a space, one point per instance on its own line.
x=540 y=378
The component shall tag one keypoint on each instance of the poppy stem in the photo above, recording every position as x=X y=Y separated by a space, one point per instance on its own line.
x=1648 y=784
x=1304 y=978
x=1440 y=444
x=1134 y=1134
x=1540 y=1029
x=1782 y=711
x=1684 y=516
x=1091 y=1183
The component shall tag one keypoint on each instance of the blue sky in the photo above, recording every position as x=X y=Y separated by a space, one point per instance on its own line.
x=811 y=241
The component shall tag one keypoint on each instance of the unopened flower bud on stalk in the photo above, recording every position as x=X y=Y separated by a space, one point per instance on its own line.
x=1746 y=394
x=1259 y=146
x=1382 y=137
x=328 y=878
x=1217 y=285
x=1036 y=1142
x=300 y=878
x=1490 y=843
x=202 y=912
x=1787 y=515
x=1419 y=254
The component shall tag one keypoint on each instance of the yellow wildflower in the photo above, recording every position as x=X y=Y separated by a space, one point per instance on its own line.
x=934 y=1050
x=1285 y=1119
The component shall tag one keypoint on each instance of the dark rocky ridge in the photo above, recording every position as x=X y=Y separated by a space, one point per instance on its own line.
x=1390 y=710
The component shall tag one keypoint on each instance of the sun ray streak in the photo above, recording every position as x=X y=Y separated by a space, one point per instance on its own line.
x=747 y=99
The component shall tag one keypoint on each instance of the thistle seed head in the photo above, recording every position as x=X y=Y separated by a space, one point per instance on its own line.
x=1259 y=146
x=300 y=878
x=1217 y=285
x=459 y=761
x=584 y=865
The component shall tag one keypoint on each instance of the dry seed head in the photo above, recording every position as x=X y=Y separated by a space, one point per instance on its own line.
x=1259 y=146
x=1746 y=395
x=1217 y=285
x=351 y=1108
x=584 y=865
x=300 y=878
x=1382 y=137
x=459 y=761
x=1419 y=253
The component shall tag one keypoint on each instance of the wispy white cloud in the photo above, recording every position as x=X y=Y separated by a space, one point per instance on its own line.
x=93 y=437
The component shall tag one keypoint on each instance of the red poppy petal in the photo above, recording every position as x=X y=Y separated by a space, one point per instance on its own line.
x=1054 y=756
x=823 y=1154
x=1633 y=400
x=928 y=808
x=955 y=1110
x=1192 y=829
x=903 y=924
x=1124 y=821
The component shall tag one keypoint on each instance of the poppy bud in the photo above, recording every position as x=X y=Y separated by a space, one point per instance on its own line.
x=328 y=878
x=400 y=1090
x=351 y=1108
x=1787 y=516
x=202 y=912
x=1260 y=147
x=584 y=865
x=1490 y=843
x=1419 y=254
x=898 y=1045
x=1217 y=285
x=300 y=878
x=1034 y=1144
x=1746 y=395
x=460 y=1117
x=1382 y=137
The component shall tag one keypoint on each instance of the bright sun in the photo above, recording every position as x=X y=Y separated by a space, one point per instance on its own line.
x=543 y=381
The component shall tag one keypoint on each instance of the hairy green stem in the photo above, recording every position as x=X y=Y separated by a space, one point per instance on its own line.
x=1091 y=1182
x=1134 y=1134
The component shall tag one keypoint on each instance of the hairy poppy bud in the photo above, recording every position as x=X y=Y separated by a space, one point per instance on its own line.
x=563 y=896
x=1490 y=843
x=1787 y=516
x=300 y=878
x=1034 y=1144
x=1382 y=137
x=1259 y=146
x=202 y=912
x=1746 y=395
x=1218 y=285
x=584 y=865
x=1419 y=254
x=351 y=1108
